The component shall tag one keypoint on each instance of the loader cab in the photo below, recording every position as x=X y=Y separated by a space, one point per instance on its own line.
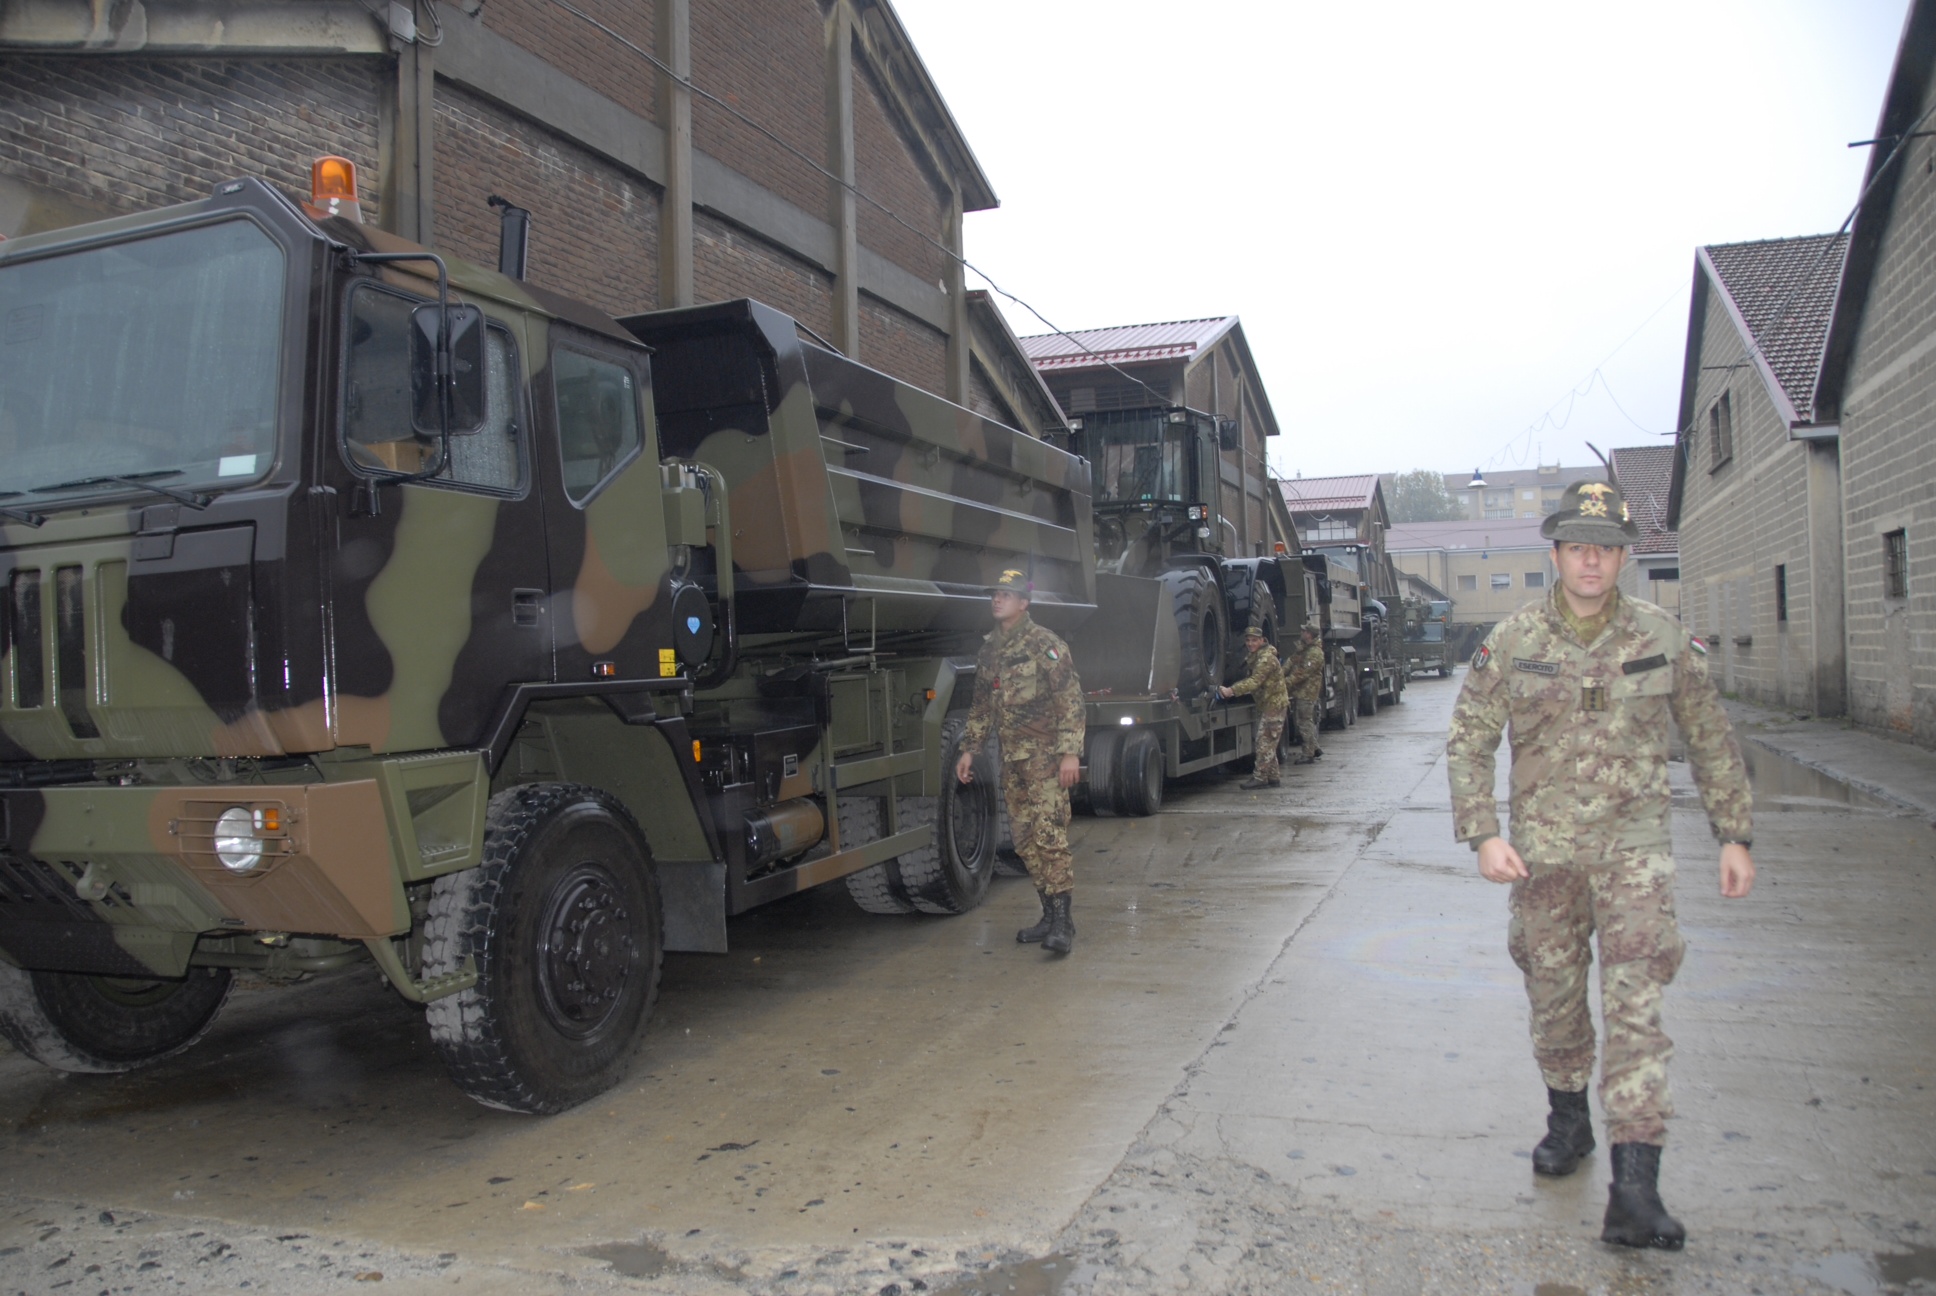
x=1156 y=481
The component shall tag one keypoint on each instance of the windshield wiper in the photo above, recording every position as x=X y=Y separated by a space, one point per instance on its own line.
x=21 y=515
x=137 y=481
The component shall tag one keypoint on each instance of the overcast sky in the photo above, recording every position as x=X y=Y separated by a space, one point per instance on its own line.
x=1436 y=221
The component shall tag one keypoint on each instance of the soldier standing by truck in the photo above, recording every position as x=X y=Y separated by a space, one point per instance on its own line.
x=1305 y=683
x=1264 y=677
x=1027 y=695
x=1588 y=681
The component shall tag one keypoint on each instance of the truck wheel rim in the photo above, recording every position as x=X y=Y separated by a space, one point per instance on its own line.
x=587 y=955
x=969 y=822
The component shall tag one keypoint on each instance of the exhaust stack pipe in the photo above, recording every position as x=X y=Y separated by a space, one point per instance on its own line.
x=514 y=236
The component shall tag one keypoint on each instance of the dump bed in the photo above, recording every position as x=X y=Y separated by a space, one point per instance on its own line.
x=861 y=503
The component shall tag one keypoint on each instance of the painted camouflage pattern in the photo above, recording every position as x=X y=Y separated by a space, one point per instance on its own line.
x=288 y=637
x=1630 y=904
x=1589 y=785
x=1038 y=816
x=1304 y=675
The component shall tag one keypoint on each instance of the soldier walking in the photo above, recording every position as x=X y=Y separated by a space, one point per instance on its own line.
x=1264 y=678
x=1305 y=682
x=1028 y=696
x=1588 y=680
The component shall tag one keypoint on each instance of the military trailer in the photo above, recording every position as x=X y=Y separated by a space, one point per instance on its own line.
x=366 y=605
x=1172 y=606
x=1427 y=650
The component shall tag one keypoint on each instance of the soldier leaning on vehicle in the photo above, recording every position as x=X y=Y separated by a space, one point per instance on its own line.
x=1264 y=678
x=1304 y=678
x=1588 y=681
x=1027 y=695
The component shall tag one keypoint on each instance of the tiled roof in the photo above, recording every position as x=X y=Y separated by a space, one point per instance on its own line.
x=1784 y=290
x=1321 y=494
x=1125 y=343
x=1646 y=473
x=1464 y=533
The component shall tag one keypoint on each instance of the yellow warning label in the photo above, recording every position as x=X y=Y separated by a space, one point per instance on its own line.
x=668 y=663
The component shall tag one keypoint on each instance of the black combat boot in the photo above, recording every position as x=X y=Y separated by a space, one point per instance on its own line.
x=1252 y=783
x=1635 y=1217
x=1569 y=1134
x=1030 y=935
x=1062 y=930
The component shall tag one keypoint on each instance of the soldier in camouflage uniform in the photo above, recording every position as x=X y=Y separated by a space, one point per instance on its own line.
x=1028 y=696
x=1588 y=680
x=1304 y=680
x=1264 y=678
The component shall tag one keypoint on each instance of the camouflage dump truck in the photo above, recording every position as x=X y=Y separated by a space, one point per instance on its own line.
x=1427 y=651
x=361 y=605
x=1340 y=620
x=1172 y=607
x=1378 y=668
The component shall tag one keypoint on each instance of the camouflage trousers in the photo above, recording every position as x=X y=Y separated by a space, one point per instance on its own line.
x=1270 y=735
x=1038 y=821
x=1306 y=710
x=1630 y=904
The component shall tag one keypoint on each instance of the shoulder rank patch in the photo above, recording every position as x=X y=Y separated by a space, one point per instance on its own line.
x=1536 y=667
x=1641 y=664
x=1480 y=658
x=1695 y=643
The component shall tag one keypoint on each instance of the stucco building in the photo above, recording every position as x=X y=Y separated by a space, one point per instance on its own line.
x=801 y=155
x=1489 y=569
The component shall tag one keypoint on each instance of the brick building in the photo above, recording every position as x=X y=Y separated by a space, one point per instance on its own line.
x=1804 y=486
x=1203 y=364
x=647 y=190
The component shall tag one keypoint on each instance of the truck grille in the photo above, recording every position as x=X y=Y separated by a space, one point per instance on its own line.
x=24 y=640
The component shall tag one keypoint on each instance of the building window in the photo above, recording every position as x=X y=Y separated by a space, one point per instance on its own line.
x=1468 y=582
x=1895 y=565
x=1664 y=574
x=1536 y=580
x=1720 y=431
x=1548 y=507
x=1502 y=580
x=1502 y=511
x=1781 y=592
x=1330 y=531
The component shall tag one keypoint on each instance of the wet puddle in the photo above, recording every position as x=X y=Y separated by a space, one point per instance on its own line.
x=1782 y=783
x=1043 y=1277
x=1885 y=1273
x=632 y=1259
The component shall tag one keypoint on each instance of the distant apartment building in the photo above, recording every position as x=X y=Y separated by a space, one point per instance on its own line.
x=1518 y=492
x=1489 y=569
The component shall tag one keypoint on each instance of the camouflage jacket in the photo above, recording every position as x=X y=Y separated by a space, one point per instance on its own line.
x=1264 y=677
x=1589 y=733
x=1305 y=679
x=1026 y=694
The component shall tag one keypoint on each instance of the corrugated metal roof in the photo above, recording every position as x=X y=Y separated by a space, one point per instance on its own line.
x=1125 y=343
x=1317 y=494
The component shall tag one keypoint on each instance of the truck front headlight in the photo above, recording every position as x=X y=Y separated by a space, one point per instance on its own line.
x=236 y=844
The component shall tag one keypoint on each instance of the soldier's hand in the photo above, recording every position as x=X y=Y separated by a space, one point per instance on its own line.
x=1070 y=772
x=1737 y=871
x=1226 y=690
x=965 y=768
x=1499 y=862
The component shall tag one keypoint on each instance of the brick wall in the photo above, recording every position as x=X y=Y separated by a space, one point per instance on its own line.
x=594 y=226
x=984 y=399
x=886 y=169
x=594 y=58
x=728 y=262
x=768 y=59
x=128 y=133
x=901 y=345
x=1889 y=474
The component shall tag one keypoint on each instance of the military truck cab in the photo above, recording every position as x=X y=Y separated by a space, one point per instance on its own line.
x=363 y=604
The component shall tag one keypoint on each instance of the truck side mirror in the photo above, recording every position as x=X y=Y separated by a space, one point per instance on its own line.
x=465 y=353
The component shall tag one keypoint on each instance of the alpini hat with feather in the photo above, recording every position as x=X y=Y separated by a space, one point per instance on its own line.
x=1591 y=512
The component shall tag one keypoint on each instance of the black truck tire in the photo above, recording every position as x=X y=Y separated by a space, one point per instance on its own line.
x=951 y=875
x=73 y=1021
x=1368 y=696
x=565 y=926
x=1100 y=792
x=1140 y=770
x=1202 y=630
x=877 y=888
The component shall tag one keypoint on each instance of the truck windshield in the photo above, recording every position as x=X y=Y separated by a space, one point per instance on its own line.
x=1432 y=632
x=154 y=359
x=1137 y=455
